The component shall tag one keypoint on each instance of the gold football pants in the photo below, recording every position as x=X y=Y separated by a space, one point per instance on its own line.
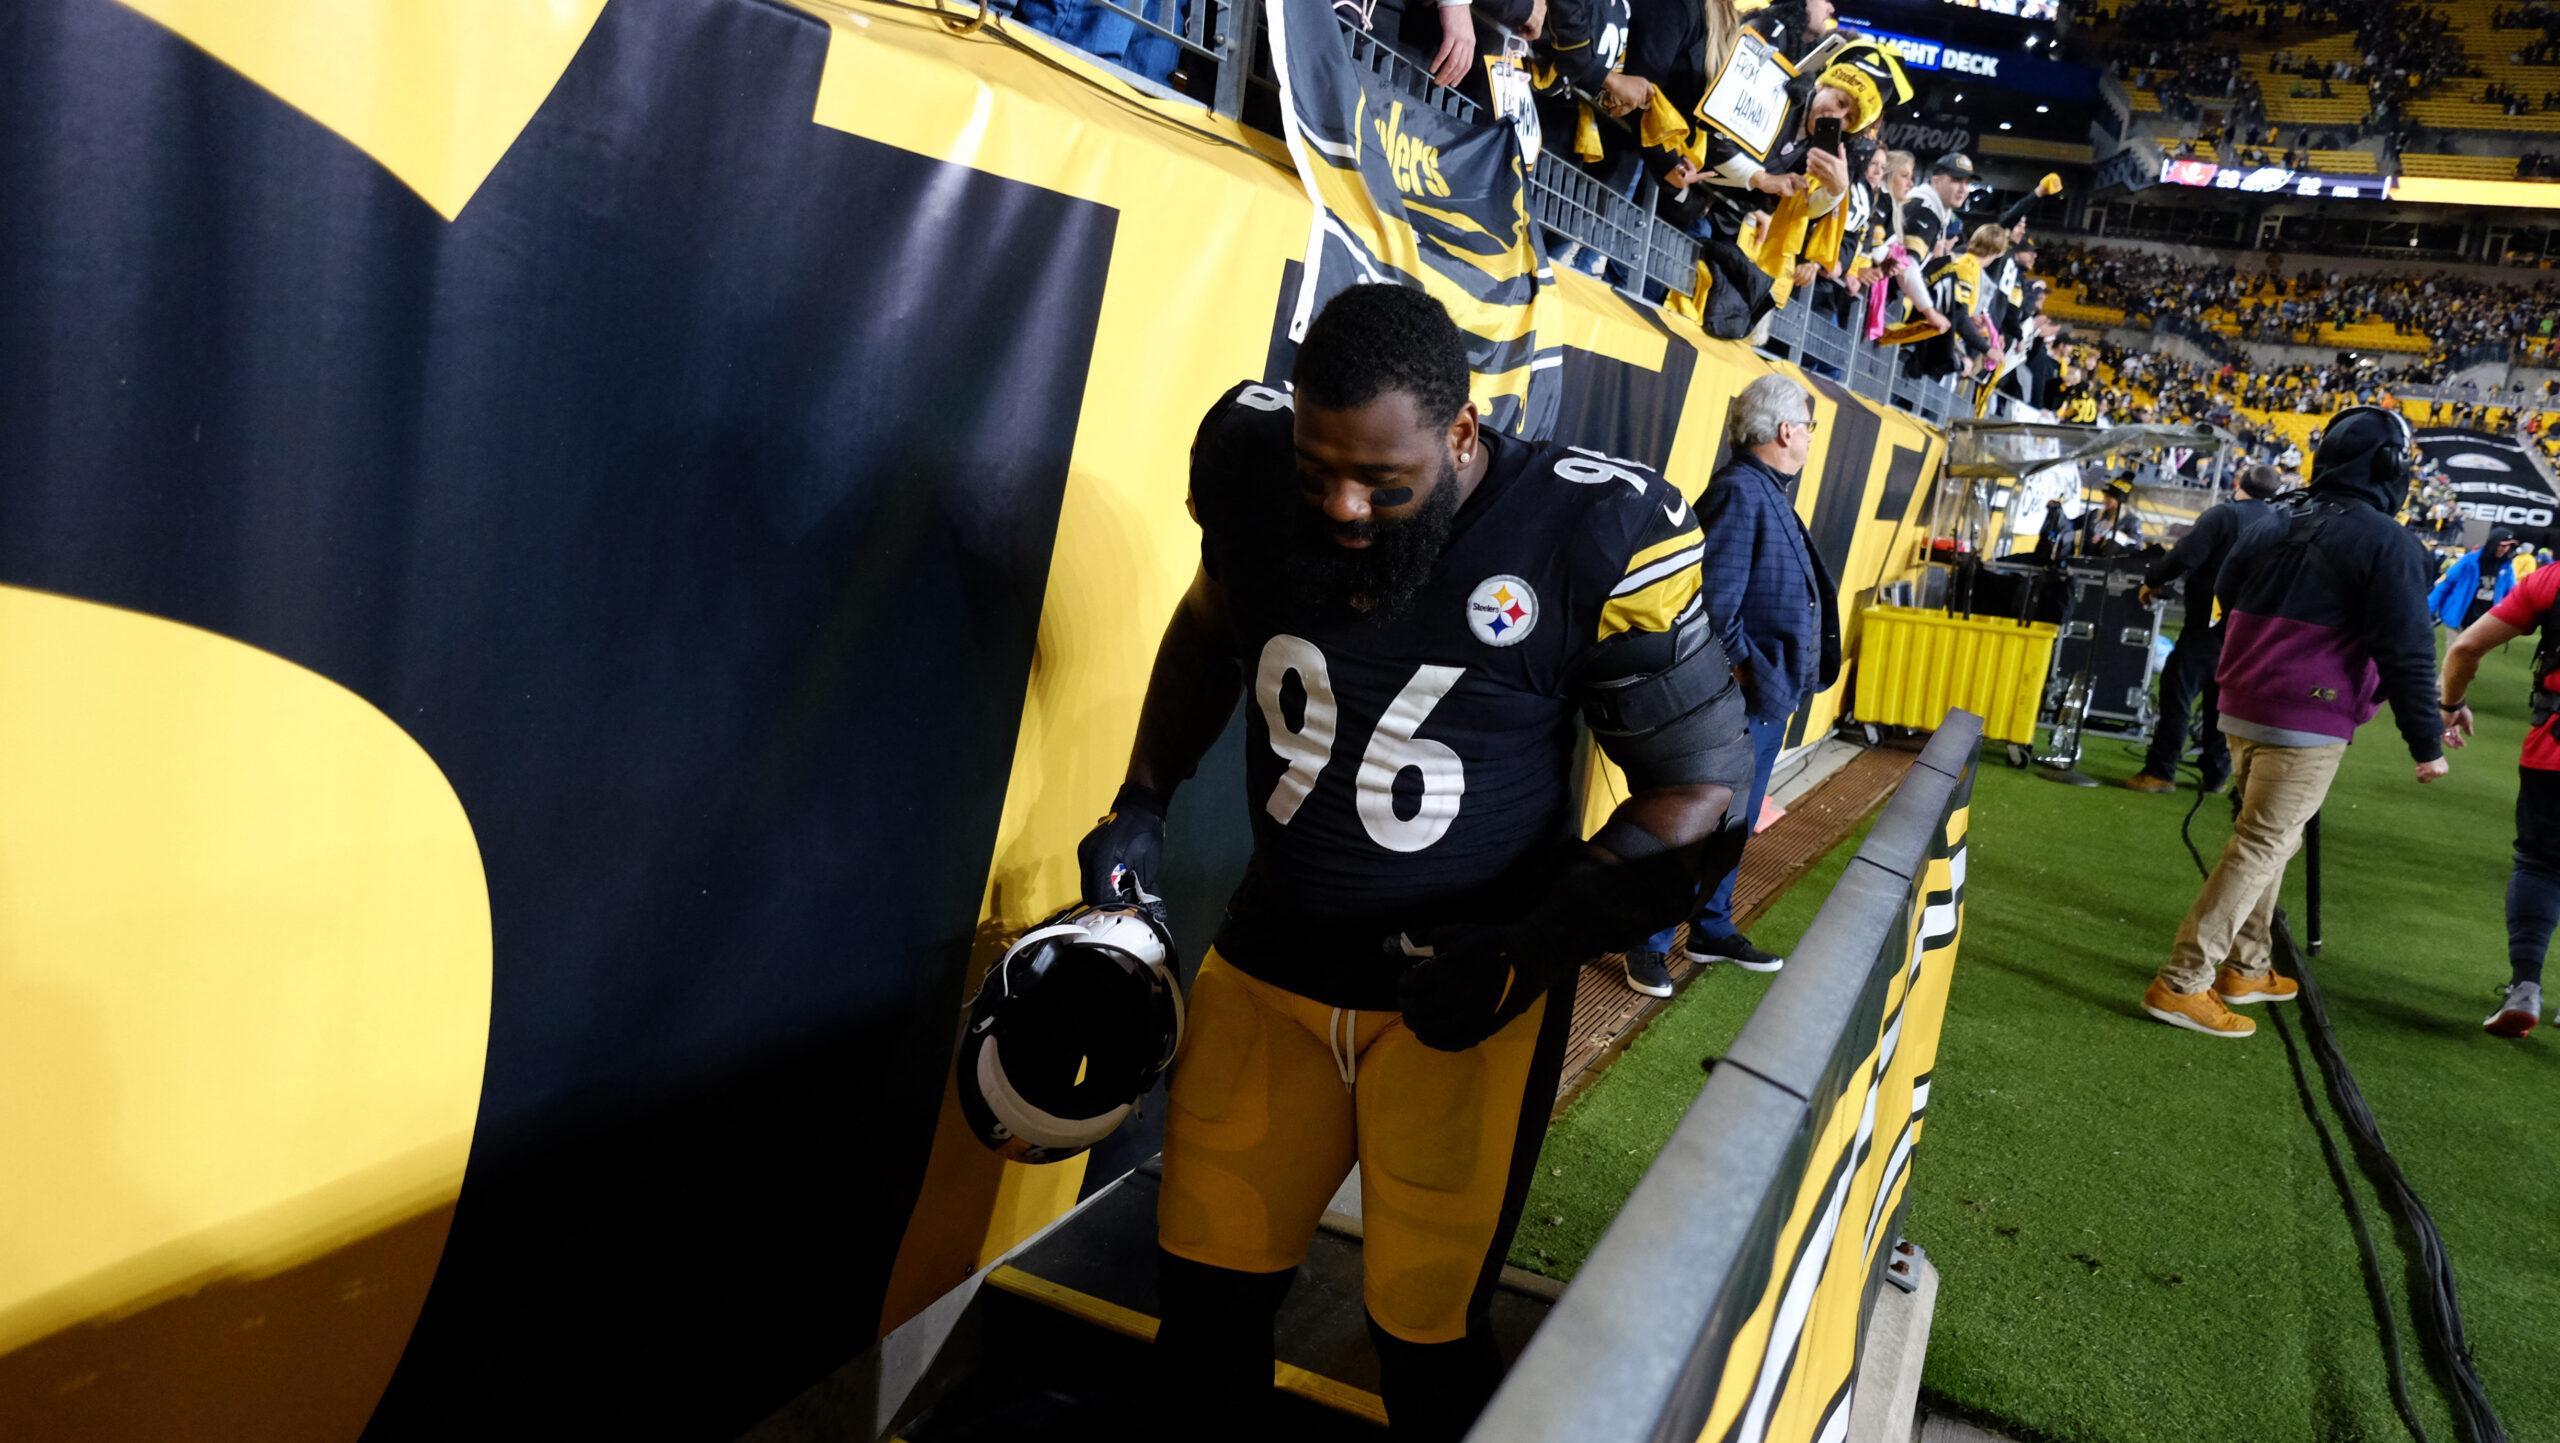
x=1277 y=1095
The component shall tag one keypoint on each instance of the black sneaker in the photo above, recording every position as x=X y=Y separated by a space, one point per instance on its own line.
x=1736 y=949
x=1649 y=972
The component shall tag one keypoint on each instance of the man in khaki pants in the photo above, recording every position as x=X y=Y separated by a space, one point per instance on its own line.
x=2325 y=618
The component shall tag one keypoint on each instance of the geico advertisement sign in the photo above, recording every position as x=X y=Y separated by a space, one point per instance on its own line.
x=2492 y=481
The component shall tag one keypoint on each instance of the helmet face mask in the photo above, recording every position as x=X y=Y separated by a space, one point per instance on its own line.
x=1072 y=1026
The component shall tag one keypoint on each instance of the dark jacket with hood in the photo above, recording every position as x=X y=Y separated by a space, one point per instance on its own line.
x=2203 y=550
x=2325 y=610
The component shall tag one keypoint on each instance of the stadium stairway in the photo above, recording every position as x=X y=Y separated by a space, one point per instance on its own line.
x=1059 y=1331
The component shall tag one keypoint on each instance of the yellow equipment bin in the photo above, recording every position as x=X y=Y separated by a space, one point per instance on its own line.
x=1915 y=663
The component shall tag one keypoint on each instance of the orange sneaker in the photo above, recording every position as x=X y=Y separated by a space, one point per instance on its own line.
x=2145 y=782
x=2195 y=1011
x=2237 y=987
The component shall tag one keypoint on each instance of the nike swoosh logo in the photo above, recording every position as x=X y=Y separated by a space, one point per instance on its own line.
x=1678 y=510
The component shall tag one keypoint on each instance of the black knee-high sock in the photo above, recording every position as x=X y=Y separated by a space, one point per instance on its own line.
x=1435 y=1390
x=1214 y=1349
x=2533 y=909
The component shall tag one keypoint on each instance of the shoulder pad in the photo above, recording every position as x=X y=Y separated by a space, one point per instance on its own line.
x=1620 y=483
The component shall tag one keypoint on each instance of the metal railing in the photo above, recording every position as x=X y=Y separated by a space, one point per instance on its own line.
x=1648 y=255
x=2502 y=398
x=1812 y=337
x=1658 y=1324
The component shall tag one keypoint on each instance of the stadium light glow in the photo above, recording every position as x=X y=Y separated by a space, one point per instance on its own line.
x=2004 y=125
x=2519 y=194
x=2044 y=110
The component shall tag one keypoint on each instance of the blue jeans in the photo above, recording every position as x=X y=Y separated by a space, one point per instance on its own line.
x=1098 y=31
x=1715 y=911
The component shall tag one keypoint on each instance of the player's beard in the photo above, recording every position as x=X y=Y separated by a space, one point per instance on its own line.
x=1382 y=578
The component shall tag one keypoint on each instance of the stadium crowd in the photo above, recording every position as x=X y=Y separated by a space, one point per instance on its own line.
x=2266 y=301
x=2147 y=386
x=1897 y=247
x=2185 y=52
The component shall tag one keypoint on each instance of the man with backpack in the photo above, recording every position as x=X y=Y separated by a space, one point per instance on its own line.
x=2325 y=617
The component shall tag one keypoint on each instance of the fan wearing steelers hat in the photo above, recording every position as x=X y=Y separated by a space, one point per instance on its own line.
x=1802 y=232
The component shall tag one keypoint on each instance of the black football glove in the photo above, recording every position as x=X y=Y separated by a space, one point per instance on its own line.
x=1122 y=855
x=1479 y=978
x=1475 y=982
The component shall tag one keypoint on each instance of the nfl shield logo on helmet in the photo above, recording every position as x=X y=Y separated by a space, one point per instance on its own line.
x=1502 y=610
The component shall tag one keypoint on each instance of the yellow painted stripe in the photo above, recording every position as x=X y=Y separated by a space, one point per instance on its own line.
x=1101 y=1312
x=1661 y=549
x=1488 y=386
x=1340 y=1397
x=1510 y=263
x=1130 y=1323
x=1652 y=609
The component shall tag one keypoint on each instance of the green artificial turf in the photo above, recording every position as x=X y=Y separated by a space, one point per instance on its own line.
x=2137 y=1235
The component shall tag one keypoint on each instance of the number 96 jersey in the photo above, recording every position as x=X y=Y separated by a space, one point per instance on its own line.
x=1413 y=769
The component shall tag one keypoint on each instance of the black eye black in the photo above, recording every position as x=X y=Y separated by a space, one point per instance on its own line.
x=1391 y=496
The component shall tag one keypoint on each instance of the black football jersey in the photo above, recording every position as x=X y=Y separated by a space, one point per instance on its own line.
x=1409 y=770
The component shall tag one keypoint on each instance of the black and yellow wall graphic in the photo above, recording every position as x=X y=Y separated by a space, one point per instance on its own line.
x=567 y=573
x=1790 y=1350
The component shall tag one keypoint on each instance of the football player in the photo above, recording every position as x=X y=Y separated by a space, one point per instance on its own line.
x=1415 y=609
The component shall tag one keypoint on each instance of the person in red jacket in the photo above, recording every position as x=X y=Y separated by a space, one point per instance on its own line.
x=2533 y=888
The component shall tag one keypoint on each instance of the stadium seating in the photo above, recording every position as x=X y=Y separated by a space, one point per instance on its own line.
x=2350 y=102
x=2459 y=167
x=2066 y=302
x=2063 y=301
x=2455 y=104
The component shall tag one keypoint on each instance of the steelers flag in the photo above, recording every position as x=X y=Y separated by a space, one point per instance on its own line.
x=1406 y=194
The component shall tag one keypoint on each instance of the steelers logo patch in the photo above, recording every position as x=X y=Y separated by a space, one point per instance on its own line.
x=1502 y=610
